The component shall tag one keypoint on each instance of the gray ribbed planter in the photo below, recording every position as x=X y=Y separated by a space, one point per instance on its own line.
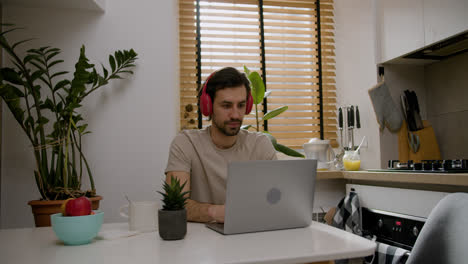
x=172 y=224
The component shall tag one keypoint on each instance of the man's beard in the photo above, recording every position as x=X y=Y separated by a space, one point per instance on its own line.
x=225 y=129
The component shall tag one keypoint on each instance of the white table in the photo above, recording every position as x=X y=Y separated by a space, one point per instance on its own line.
x=318 y=242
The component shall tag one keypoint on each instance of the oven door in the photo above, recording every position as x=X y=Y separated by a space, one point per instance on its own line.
x=394 y=229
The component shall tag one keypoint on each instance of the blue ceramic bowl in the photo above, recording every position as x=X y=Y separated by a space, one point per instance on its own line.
x=77 y=230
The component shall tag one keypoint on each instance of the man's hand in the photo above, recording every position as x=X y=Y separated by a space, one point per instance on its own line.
x=216 y=212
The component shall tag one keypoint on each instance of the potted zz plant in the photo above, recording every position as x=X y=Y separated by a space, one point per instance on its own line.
x=172 y=218
x=46 y=107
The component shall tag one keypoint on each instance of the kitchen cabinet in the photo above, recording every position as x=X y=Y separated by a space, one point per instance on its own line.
x=407 y=26
x=400 y=27
x=93 y=5
x=444 y=18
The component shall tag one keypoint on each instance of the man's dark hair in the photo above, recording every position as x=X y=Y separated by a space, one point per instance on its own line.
x=225 y=78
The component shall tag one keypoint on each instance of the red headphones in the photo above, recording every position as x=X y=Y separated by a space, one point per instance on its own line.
x=206 y=105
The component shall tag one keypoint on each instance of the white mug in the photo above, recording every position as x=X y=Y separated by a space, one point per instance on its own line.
x=142 y=216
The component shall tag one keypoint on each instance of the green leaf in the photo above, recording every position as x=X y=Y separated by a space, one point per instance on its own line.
x=275 y=112
x=10 y=91
x=58 y=74
x=55 y=62
x=288 y=151
x=36 y=51
x=42 y=120
x=102 y=81
x=81 y=76
x=45 y=81
x=29 y=122
x=119 y=57
x=258 y=88
x=37 y=74
x=82 y=128
x=48 y=104
x=59 y=107
x=10 y=30
x=42 y=49
x=30 y=57
x=112 y=62
x=10 y=75
x=61 y=84
x=52 y=50
x=246 y=127
x=246 y=70
x=38 y=66
x=21 y=42
x=53 y=54
x=104 y=70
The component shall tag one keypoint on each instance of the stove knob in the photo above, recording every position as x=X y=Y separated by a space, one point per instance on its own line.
x=392 y=164
x=417 y=166
x=415 y=231
x=427 y=166
x=380 y=223
x=447 y=164
x=436 y=165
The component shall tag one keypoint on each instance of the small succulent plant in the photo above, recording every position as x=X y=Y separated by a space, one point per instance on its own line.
x=173 y=197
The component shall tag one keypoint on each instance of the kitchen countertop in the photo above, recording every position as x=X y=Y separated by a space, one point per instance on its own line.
x=456 y=179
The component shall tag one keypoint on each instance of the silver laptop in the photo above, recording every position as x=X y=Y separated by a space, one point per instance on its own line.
x=268 y=195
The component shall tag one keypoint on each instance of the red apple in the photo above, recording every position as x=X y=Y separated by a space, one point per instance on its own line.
x=78 y=206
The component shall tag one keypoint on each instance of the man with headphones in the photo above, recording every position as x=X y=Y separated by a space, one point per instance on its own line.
x=200 y=157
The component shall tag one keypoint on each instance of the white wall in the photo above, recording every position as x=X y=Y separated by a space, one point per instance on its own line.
x=356 y=70
x=133 y=121
x=355 y=74
x=447 y=104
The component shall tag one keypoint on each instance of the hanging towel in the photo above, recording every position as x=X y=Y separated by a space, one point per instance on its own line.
x=386 y=254
x=348 y=214
x=348 y=217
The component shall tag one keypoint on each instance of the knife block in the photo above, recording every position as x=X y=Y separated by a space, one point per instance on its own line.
x=428 y=148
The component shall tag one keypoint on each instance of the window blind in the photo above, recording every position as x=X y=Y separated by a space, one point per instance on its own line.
x=278 y=39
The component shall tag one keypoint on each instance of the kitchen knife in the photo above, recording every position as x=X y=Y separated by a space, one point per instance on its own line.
x=417 y=114
x=409 y=106
x=340 y=125
x=358 y=118
x=352 y=126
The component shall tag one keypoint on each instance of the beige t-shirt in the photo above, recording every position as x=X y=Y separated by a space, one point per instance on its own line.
x=194 y=152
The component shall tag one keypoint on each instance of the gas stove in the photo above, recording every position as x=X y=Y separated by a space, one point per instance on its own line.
x=429 y=166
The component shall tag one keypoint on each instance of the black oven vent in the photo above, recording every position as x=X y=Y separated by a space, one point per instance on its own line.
x=452 y=46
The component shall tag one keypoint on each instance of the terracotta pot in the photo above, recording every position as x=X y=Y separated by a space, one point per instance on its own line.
x=43 y=209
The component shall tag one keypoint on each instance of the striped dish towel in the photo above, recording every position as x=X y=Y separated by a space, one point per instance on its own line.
x=348 y=214
x=386 y=254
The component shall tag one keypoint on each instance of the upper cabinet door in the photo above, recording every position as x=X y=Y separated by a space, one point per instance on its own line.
x=444 y=18
x=400 y=26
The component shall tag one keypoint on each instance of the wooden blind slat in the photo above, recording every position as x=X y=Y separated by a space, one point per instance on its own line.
x=230 y=36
